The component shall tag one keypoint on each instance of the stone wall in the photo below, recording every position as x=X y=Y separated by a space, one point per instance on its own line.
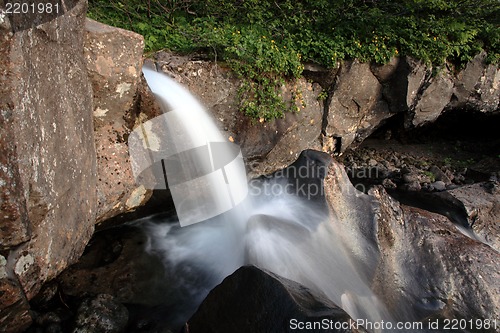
x=47 y=158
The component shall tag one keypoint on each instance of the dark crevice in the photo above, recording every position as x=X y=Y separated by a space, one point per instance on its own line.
x=478 y=128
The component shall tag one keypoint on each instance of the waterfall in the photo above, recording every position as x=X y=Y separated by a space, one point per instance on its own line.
x=276 y=230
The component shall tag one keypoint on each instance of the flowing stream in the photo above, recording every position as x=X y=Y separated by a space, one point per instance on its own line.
x=277 y=231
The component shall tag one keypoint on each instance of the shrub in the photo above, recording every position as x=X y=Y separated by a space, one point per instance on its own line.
x=265 y=42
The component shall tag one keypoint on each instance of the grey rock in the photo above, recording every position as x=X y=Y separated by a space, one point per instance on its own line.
x=402 y=89
x=436 y=267
x=424 y=265
x=385 y=72
x=411 y=177
x=440 y=175
x=483 y=210
x=439 y=185
x=434 y=99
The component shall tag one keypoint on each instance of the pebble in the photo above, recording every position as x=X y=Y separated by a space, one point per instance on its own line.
x=439 y=185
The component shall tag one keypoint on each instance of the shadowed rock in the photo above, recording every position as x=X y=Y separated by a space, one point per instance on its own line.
x=252 y=300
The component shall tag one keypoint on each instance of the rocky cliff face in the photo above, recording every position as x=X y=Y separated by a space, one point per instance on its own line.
x=361 y=97
x=48 y=160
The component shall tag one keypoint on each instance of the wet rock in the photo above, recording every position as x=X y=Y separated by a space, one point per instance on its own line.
x=48 y=164
x=252 y=300
x=353 y=210
x=356 y=107
x=114 y=63
x=101 y=314
x=432 y=269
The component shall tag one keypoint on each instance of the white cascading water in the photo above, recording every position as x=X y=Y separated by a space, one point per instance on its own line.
x=281 y=233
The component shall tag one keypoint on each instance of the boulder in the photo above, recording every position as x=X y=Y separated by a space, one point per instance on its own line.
x=356 y=107
x=385 y=72
x=402 y=87
x=114 y=63
x=48 y=161
x=434 y=99
x=252 y=300
x=420 y=264
x=266 y=146
x=481 y=202
x=439 y=174
x=429 y=269
x=477 y=86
